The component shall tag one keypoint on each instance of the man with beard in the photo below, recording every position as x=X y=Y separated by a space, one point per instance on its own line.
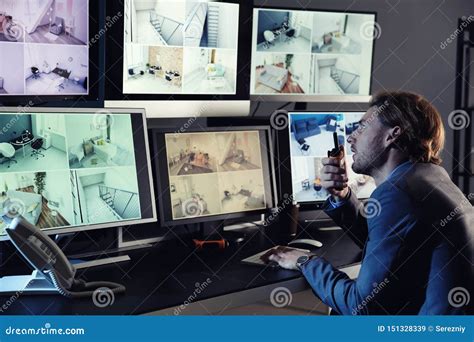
x=416 y=238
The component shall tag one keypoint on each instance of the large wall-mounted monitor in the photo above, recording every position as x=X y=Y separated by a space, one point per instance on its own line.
x=172 y=50
x=309 y=56
x=74 y=170
x=48 y=51
x=214 y=174
x=311 y=137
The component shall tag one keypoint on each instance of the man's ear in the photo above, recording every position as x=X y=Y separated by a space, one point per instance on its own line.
x=393 y=135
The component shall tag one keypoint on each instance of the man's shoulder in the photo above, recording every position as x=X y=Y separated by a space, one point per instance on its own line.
x=416 y=177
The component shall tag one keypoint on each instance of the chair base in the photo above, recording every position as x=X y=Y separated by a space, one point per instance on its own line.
x=37 y=154
x=9 y=161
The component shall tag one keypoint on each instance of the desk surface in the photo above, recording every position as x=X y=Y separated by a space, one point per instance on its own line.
x=165 y=277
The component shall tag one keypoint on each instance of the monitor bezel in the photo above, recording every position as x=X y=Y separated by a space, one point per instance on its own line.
x=95 y=43
x=313 y=205
x=72 y=111
x=115 y=51
x=306 y=98
x=162 y=173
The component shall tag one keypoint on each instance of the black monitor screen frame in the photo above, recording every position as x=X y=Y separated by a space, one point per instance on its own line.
x=142 y=163
x=115 y=51
x=95 y=44
x=284 y=147
x=162 y=178
x=306 y=98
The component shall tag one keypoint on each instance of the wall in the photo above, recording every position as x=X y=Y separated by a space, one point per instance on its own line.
x=303 y=21
x=170 y=58
x=144 y=5
x=79 y=128
x=228 y=24
x=407 y=54
x=324 y=24
x=300 y=65
x=121 y=133
x=228 y=59
x=250 y=144
x=123 y=178
x=58 y=187
x=81 y=21
x=171 y=9
x=20 y=123
x=11 y=57
x=268 y=20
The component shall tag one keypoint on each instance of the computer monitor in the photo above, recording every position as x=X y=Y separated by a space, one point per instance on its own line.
x=311 y=56
x=214 y=173
x=49 y=51
x=177 y=50
x=311 y=137
x=78 y=170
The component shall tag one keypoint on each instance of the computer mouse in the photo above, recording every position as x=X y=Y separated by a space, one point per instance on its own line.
x=308 y=242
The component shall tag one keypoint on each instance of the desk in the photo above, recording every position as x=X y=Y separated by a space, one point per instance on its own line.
x=22 y=143
x=160 y=279
x=62 y=72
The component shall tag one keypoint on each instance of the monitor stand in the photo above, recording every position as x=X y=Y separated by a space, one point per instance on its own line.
x=233 y=233
x=301 y=106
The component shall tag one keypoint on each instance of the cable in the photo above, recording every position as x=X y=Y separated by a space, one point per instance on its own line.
x=113 y=287
x=256 y=109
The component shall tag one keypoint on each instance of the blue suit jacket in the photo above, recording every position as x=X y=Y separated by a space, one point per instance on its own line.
x=416 y=232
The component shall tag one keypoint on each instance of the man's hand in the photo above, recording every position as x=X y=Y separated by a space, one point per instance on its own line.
x=285 y=257
x=334 y=178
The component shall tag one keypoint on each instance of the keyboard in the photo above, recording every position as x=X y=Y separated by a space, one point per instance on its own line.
x=255 y=259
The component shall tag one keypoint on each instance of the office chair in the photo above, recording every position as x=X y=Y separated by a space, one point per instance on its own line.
x=36 y=146
x=57 y=26
x=290 y=34
x=269 y=39
x=8 y=152
x=35 y=71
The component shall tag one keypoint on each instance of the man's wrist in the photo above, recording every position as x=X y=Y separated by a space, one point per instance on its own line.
x=338 y=199
x=300 y=263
